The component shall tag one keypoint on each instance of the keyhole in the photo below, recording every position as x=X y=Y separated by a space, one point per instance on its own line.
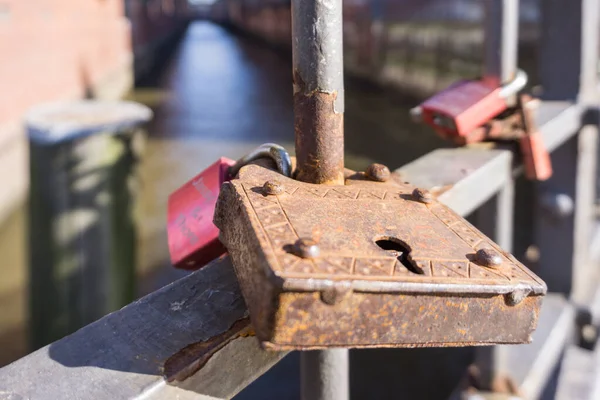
x=400 y=251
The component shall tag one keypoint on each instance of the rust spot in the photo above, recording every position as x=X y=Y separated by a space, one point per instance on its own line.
x=319 y=136
x=193 y=357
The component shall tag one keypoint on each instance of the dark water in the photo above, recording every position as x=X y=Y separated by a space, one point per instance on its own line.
x=230 y=93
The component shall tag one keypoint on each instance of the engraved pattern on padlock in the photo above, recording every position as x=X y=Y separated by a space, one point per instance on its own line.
x=314 y=273
x=192 y=236
x=466 y=105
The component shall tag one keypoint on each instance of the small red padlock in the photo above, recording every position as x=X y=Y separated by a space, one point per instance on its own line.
x=192 y=236
x=467 y=105
x=536 y=159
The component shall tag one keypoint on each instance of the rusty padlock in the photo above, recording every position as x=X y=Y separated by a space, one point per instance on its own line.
x=192 y=236
x=467 y=105
x=536 y=159
x=372 y=263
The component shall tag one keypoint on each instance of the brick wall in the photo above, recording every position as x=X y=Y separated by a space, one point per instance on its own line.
x=54 y=50
x=57 y=49
x=154 y=25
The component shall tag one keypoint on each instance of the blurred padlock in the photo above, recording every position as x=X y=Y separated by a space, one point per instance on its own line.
x=536 y=159
x=193 y=238
x=467 y=105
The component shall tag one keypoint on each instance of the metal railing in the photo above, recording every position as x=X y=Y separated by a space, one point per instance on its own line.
x=193 y=339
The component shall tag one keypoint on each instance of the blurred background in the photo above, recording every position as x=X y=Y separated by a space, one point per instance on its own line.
x=217 y=76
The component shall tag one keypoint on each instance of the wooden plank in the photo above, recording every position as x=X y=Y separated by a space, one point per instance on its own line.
x=127 y=353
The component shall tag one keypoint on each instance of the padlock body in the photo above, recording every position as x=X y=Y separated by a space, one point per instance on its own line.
x=463 y=107
x=536 y=159
x=192 y=236
x=355 y=293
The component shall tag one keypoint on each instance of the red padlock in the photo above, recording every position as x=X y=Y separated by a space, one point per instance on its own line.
x=192 y=236
x=536 y=159
x=467 y=105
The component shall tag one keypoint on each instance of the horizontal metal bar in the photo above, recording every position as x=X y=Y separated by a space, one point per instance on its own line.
x=195 y=326
x=194 y=332
x=465 y=178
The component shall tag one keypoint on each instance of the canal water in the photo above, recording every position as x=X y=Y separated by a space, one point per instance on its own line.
x=220 y=94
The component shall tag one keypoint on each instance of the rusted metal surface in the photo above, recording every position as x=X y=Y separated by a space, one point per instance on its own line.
x=319 y=132
x=391 y=271
x=193 y=357
x=318 y=75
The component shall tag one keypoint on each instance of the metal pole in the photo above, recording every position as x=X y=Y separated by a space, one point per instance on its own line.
x=500 y=65
x=318 y=90
x=501 y=40
x=325 y=375
x=318 y=74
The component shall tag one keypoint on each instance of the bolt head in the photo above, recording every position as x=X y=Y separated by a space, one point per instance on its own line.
x=416 y=114
x=271 y=188
x=422 y=195
x=335 y=295
x=488 y=258
x=306 y=248
x=378 y=172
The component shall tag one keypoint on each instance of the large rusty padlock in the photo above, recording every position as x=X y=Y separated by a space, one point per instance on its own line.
x=193 y=238
x=368 y=264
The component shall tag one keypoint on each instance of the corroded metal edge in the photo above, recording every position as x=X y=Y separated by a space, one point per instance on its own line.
x=289 y=282
x=366 y=320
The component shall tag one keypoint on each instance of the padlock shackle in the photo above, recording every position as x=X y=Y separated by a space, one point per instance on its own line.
x=267 y=150
x=515 y=86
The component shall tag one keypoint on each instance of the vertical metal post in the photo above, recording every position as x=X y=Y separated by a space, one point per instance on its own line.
x=325 y=375
x=496 y=217
x=568 y=61
x=81 y=228
x=317 y=45
x=501 y=39
x=318 y=90
x=569 y=49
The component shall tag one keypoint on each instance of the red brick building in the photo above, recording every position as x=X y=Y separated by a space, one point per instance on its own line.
x=65 y=49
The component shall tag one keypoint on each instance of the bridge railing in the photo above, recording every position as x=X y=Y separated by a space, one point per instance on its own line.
x=193 y=339
x=193 y=336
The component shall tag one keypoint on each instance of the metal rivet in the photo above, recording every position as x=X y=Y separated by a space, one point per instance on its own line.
x=273 y=188
x=514 y=298
x=306 y=248
x=330 y=297
x=422 y=195
x=337 y=293
x=378 y=172
x=488 y=258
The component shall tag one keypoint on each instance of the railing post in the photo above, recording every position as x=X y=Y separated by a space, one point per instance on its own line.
x=568 y=62
x=81 y=228
x=495 y=218
x=318 y=75
x=499 y=66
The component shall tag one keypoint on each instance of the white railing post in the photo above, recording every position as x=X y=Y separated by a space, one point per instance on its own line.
x=568 y=61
